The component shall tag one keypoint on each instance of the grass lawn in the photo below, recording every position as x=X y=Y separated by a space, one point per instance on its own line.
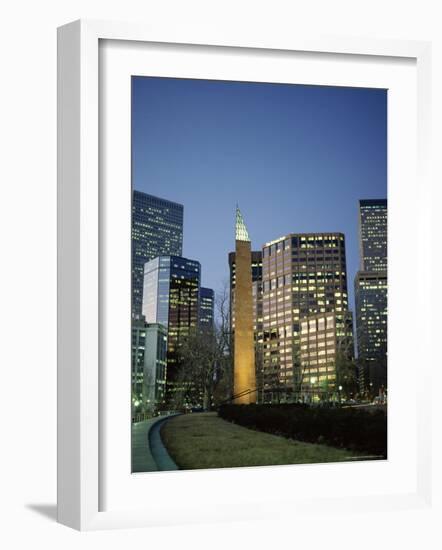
x=203 y=440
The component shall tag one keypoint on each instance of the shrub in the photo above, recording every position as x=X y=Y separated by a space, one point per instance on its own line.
x=358 y=430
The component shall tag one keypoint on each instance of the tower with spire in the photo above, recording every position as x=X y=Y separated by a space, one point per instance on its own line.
x=244 y=378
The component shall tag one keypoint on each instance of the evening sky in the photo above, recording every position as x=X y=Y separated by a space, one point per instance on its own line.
x=295 y=158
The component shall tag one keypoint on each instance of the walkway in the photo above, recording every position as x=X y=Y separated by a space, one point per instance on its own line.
x=148 y=451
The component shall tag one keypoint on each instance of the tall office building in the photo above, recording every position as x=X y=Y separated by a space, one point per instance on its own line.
x=170 y=297
x=371 y=329
x=318 y=355
x=373 y=235
x=155 y=364
x=303 y=275
x=157 y=229
x=206 y=308
x=138 y=347
x=371 y=296
x=257 y=307
x=148 y=364
x=244 y=375
x=256 y=267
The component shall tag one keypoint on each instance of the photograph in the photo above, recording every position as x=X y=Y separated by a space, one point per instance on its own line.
x=258 y=274
x=230 y=213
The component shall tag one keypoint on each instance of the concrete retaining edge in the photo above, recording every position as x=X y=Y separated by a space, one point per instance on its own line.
x=148 y=451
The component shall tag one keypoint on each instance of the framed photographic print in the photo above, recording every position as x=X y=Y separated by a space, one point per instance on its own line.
x=227 y=331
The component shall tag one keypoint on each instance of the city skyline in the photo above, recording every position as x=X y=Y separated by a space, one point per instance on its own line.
x=295 y=162
x=330 y=142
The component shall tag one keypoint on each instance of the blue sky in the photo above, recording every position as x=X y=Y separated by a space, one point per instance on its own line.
x=295 y=158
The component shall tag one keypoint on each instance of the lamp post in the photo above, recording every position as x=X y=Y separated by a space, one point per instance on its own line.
x=339 y=389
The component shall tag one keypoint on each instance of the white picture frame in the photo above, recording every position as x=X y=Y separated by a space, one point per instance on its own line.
x=80 y=441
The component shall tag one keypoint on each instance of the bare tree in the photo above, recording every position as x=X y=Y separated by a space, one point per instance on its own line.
x=346 y=368
x=205 y=363
x=223 y=328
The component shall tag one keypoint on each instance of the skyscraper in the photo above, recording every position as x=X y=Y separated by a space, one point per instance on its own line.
x=138 y=347
x=371 y=323
x=256 y=291
x=157 y=229
x=371 y=296
x=206 y=308
x=257 y=307
x=170 y=297
x=244 y=376
x=303 y=275
x=373 y=234
x=148 y=364
x=318 y=356
x=155 y=363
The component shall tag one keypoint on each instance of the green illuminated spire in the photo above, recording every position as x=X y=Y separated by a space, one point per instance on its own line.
x=241 y=229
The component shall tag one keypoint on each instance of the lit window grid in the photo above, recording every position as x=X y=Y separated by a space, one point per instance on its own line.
x=256 y=257
x=373 y=224
x=318 y=351
x=206 y=308
x=324 y=288
x=173 y=302
x=157 y=229
x=149 y=344
x=371 y=314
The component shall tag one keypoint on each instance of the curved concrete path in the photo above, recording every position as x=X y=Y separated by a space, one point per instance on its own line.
x=148 y=452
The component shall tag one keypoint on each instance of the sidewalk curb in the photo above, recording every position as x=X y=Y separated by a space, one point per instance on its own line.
x=158 y=450
x=148 y=451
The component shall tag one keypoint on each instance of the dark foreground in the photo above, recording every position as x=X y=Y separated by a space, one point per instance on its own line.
x=362 y=430
x=204 y=440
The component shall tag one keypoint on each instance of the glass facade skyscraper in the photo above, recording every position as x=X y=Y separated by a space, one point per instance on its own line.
x=206 y=308
x=371 y=322
x=171 y=298
x=157 y=229
x=371 y=296
x=373 y=234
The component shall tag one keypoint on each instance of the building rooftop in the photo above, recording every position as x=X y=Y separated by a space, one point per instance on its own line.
x=306 y=235
x=165 y=202
x=241 y=233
